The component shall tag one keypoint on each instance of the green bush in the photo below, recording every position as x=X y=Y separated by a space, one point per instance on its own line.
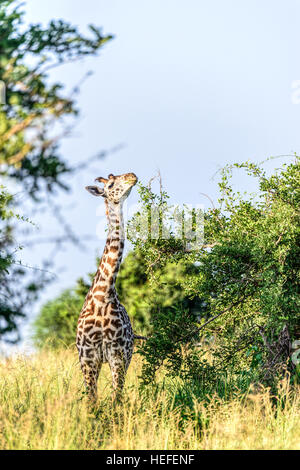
x=247 y=280
x=56 y=324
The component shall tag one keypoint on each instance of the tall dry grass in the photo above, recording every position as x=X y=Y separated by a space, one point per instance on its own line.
x=43 y=406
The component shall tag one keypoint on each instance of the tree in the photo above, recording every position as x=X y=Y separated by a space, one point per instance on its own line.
x=247 y=280
x=29 y=148
x=32 y=104
x=142 y=298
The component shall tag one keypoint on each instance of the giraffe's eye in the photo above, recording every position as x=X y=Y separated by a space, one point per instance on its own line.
x=111 y=185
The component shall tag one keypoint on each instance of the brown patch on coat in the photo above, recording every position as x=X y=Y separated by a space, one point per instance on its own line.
x=106 y=271
x=99 y=288
x=111 y=261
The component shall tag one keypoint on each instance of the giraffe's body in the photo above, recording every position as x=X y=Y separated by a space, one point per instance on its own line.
x=104 y=332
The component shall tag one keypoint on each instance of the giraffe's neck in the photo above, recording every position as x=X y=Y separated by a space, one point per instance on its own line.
x=112 y=255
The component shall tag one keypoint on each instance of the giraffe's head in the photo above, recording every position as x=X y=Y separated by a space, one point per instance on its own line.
x=116 y=188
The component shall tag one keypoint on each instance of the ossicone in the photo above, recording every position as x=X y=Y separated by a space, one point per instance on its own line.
x=100 y=179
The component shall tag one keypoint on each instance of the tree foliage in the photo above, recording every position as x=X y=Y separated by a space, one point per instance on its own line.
x=56 y=324
x=33 y=111
x=247 y=281
x=28 y=148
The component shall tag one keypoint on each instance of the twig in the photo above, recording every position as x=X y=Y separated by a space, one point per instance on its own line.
x=190 y=335
x=210 y=199
x=140 y=337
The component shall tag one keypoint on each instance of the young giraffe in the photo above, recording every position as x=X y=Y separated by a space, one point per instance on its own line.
x=104 y=332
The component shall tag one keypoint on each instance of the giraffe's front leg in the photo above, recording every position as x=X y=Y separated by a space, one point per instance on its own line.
x=90 y=369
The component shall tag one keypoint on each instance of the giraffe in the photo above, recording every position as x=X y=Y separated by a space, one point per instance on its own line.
x=104 y=332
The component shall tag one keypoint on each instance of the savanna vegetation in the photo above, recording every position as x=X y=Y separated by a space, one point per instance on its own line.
x=220 y=308
x=222 y=319
x=42 y=406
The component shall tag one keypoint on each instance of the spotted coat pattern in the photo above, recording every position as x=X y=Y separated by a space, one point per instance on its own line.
x=104 y=332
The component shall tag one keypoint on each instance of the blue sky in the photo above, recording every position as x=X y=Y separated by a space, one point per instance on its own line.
x=188 y=86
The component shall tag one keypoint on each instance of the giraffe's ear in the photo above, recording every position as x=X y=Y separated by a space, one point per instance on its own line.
x=95 y=191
